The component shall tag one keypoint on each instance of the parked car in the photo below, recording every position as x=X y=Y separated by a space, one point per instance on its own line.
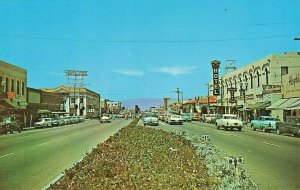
x=9 y=124
x=214 y=119
x=175 y=119
x=265 y=123
x=67 y=120
x=196 y=117
x=208 y=118
x=58 y=121
x=150 y=119
x=229 y=121
x=105 y=118
x=187 y=117
x=43 y=122
x=291 y=126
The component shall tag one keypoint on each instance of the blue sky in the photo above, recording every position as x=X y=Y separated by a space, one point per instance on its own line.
x=142 y=49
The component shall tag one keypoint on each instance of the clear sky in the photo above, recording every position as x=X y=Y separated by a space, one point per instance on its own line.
x=142 y=48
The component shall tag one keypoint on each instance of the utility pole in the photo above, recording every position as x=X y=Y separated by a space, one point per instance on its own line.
x=178 y=92
x=208 y=111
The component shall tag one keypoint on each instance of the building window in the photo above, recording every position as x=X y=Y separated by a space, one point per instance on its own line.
x=267 y=76
x=72 y=100
x=284 y=70
x=18 y=87
x=12 y=89
x=81 y=100
x=257 y=74
x=23 y=88
x=6 y=85
x=251 y=80
x=2 y=87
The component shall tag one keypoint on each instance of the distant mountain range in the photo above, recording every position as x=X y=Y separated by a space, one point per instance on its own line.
x=143 y=103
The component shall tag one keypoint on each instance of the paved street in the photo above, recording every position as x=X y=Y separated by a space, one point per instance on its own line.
x=271 y=160
x=31 y=159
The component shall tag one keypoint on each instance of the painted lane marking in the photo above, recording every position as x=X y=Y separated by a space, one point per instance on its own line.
x=235 y=135
x=272 y=144
x=6 y=155
x=45 y=143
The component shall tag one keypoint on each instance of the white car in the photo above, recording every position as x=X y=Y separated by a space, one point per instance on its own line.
x=229 y=121
x=43 y=122
x=105 y=118
x=175 y=119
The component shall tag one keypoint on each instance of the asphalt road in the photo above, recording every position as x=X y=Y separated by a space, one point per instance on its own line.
x=272 y=161
x=32 y=159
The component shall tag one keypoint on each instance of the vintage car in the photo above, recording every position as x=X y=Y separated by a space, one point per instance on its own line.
x=196 y=117
x=105 y=118
x=44 y=122
x=187 y=117
x=150 y=119
x=229 y=121
x=175 y=119
x=291 y=126
x=9 y=124
x=264 y=123
x=214 y=119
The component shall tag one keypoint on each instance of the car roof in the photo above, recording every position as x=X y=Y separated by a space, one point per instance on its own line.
x=229 y=115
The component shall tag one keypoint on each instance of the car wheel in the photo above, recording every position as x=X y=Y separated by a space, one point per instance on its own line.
x=278 y=131
x=252 y=128
x=240 y=129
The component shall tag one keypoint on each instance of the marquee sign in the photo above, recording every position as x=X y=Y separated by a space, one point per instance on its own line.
x=215 y=67
x=271 y=89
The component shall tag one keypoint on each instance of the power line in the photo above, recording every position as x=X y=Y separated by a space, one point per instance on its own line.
x=147 y=41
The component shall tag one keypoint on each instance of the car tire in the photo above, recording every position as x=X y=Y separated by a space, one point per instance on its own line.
x=240 y=129
x=252 y=128
x=278 y=131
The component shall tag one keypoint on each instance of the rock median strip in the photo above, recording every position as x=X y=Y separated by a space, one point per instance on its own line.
x=142 y=158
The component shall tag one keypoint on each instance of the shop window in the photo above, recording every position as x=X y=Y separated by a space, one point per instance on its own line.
x=23 y=88
x=12 y=89
x=257 y=74
x=267 y=76
x=18 y=87
x=7 y=85
x=251 y=81
x=284 y=70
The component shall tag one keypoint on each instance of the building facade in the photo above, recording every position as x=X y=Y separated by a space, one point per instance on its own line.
x=114 y=107
x=40 y=104
x=78 y=101
x=255 y=86
x=13 y=91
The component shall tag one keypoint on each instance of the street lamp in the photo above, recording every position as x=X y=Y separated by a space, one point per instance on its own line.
x=243 y=88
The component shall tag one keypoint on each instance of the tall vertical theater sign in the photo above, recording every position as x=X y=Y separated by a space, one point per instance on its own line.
x=215 y=67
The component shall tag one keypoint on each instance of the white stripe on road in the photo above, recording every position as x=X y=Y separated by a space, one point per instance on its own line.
x=272 y=144
x=6 y=155
x=45 y=143
x=235 y=135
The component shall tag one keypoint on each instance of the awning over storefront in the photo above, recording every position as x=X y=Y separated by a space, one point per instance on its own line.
x=285 y=104
x=294 y=106
x=5 y=104
x=41 y=111
x=259 y=105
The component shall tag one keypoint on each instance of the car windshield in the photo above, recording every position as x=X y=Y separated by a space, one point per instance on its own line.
x=272 y=119
x=230 y=117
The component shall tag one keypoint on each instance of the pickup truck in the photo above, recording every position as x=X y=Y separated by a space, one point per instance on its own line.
x=150 y=119
x=265 y=123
